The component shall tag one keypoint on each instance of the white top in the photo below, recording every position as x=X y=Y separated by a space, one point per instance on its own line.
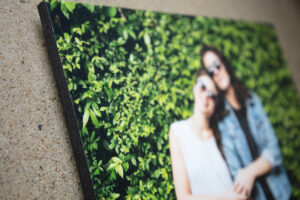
x=205 y=166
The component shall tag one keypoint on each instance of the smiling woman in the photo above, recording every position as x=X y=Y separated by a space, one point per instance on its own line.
x=251 y=148
x=198 y=163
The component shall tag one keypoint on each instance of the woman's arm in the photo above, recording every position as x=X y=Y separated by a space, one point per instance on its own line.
x=270 y=157
x=246 y=177
x=230 y=150
x=181 y=181
x=271 y=152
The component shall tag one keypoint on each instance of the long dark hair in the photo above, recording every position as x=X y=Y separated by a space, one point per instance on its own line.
x=217 y=115
x=239 y=87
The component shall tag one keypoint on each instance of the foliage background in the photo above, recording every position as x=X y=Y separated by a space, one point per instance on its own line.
x=130 y=75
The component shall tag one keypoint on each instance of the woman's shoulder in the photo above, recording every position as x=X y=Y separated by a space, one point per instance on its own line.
x=178 y=125
x=253 y=99
x=253 y=96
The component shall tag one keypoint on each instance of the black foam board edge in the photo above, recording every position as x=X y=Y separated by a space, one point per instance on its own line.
x=69 y=113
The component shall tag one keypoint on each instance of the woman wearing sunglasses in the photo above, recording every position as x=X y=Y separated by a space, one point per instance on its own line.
x=249 y=143
x=198 y=165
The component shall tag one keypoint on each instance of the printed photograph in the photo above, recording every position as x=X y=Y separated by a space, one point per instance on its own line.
x=175 y=106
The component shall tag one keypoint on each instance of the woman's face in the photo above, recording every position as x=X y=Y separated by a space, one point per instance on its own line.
x=205 y=93
x=217 y=70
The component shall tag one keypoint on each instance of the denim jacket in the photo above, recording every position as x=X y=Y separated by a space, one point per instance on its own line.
x=238 y=154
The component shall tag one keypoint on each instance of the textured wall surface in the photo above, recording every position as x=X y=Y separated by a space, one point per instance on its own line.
x=36 y=158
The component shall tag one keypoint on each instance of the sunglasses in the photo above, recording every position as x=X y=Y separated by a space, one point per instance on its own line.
x=203 y=88
x=215 y=66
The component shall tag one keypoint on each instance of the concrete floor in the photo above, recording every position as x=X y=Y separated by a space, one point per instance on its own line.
x=36 y=158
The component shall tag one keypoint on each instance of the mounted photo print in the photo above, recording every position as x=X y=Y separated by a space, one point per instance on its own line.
x=168 y=106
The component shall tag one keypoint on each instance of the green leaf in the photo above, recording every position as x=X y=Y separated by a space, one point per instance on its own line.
x=95 y=145
x=116 y=160
x=111 y=11
x=82 y=83
x=53 y=4
x=103 y=109
x=133 y=160
x=77 y=62
x=70 y=86
x=147 y=39
x=67 y=37
x=96 y=109
x=119 y=170
x=157 y=173
x=68 y=67
x=113 y=68
x=140 y=159
x=126 y=166
x=121 y=41
x=77 y=30
x=84 y=131
x=115 y=195
x=97 y=171
x=111 y=166
x=78 y=41
x=164 y=174
x=92 y=136
x=90 y=7
x=85 y=117
x=91 y=77
x=132 y=34
x=94 y=118
x=70 y=5
x=64 y=10
x=86 y=114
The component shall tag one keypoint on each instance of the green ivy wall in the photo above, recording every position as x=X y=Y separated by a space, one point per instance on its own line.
x=130 y=74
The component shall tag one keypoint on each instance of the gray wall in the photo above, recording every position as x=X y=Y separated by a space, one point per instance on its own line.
x=39 y=164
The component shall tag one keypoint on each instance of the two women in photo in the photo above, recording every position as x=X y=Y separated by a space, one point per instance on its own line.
x=227 y=149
